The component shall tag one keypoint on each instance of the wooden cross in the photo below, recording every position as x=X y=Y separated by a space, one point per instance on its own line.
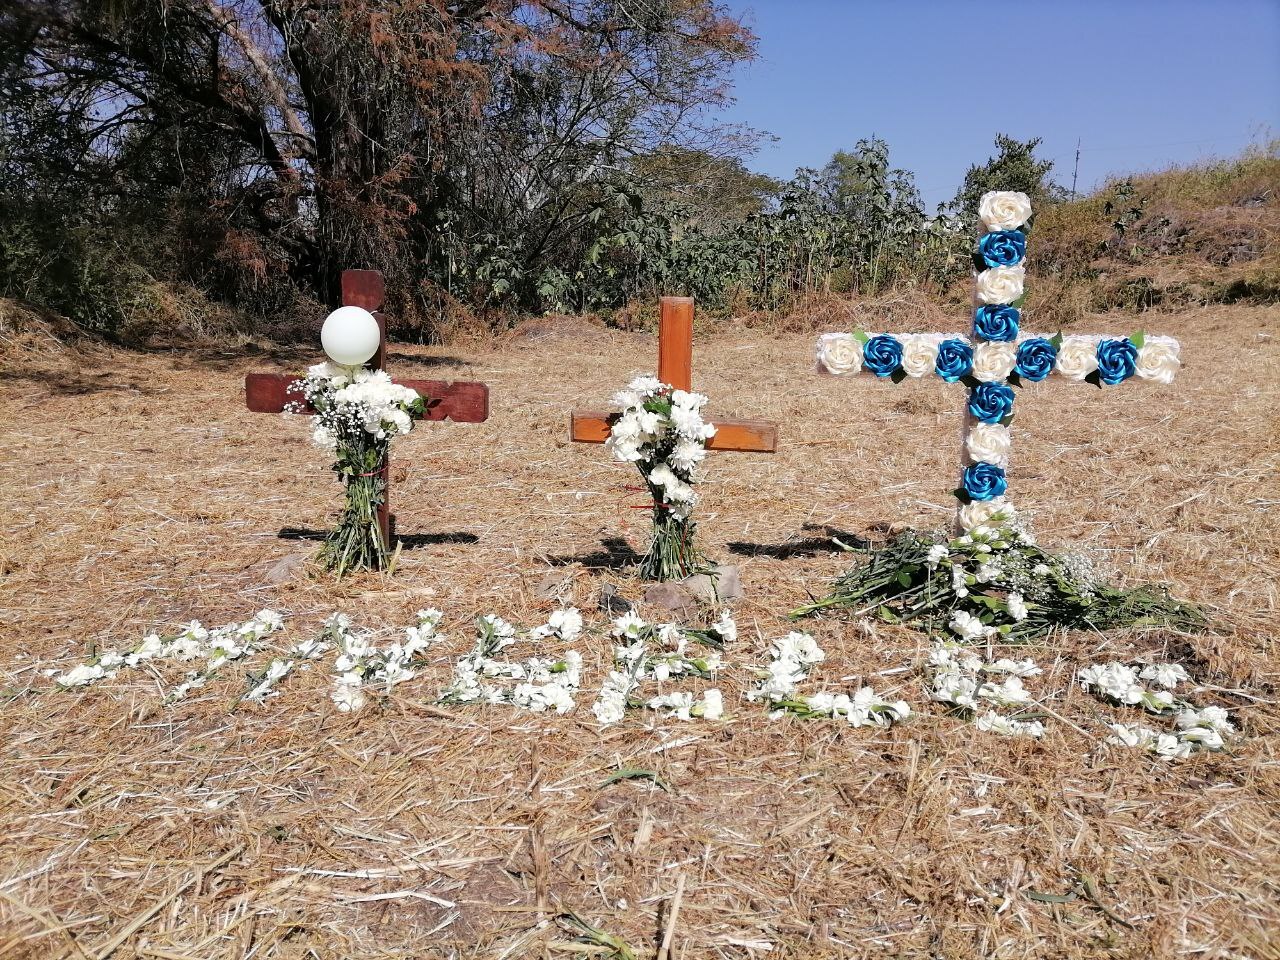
x=675 y=368
x=459 y=401
x=989 y=411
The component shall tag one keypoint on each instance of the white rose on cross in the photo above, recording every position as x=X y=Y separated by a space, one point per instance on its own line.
x=839 y=353
x=919 y=353
x=1001 y=284
x=1004 y=209
x=989 y=442
x=1158 y=359
x=1078 y=357
x=993 y=361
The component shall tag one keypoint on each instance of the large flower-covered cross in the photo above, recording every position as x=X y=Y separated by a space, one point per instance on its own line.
x=998 y=357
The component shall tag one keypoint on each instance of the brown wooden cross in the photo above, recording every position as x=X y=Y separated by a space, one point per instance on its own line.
x=675 y=367
x=460 y=401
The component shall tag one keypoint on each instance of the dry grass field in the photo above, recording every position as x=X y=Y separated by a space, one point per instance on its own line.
x=136 y=491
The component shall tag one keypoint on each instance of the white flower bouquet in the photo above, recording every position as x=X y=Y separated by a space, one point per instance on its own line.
x=661 y=430
x=357 y=412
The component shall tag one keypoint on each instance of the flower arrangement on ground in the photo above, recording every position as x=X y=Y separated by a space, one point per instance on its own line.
x=793 y=657
x=994 y=582
x=660 y=429
x=1195 y=730
x=357 y=413
x=661 y=653
x=537 y=683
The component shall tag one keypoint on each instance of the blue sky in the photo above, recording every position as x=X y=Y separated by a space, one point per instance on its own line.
x=1142 y=83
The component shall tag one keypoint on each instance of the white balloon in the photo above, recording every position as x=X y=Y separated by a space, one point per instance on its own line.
x=350 y=336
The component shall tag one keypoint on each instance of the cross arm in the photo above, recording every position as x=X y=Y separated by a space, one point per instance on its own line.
x=750 y=436
x=461 y=401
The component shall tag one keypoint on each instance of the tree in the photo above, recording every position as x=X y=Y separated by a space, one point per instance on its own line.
x=432 y=139
x=1014 y=167
x=714 y=191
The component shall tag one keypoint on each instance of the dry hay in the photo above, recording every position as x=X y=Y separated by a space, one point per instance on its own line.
x=137 y=490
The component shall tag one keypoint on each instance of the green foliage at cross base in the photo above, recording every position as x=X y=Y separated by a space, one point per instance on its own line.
x=906 y=581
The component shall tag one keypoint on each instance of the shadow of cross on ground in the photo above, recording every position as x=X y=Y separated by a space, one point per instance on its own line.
x=460 y=401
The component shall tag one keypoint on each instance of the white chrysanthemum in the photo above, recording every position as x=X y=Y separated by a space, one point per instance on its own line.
x=347 y=697
x=994 y=723
x=712 y=705
x=1009 y=693
x=1116 y=681
x=1017 y=607
x=687 y=455
x=1159 y=359
x=1206 y=738
x=566 y=624
x=726 y=627
x=1004 y=210
x=80 y=676
x=1167 y=675
x=800 y=648
x=629 y=625
x=999 y=285
x=839 y=354
x=611 y=705
x=953 y=687
x=1216 y=718
x=969 y=627
x=1077 y=357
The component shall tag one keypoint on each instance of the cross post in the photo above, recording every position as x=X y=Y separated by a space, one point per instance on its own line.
x=997 y=357
x=460 y=401
x=675 y=368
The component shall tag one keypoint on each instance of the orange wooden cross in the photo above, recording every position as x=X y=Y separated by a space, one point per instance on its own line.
x=675 y=367
x=460 y=401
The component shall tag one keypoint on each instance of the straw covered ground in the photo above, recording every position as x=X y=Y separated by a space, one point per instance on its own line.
x=137 y=491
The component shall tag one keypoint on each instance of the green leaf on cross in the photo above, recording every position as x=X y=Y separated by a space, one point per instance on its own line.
x=1138 y=339
x=1056 y=340
x=861 y=336
x=1017 y=304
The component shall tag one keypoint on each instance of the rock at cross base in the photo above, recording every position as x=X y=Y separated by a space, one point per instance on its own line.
x=721 y=584
x=674 y=599
x=612 y=602
x=557 y=585
x=286 y=568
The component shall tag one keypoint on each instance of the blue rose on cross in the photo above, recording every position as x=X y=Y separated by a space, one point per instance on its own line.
x=1003 y=248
